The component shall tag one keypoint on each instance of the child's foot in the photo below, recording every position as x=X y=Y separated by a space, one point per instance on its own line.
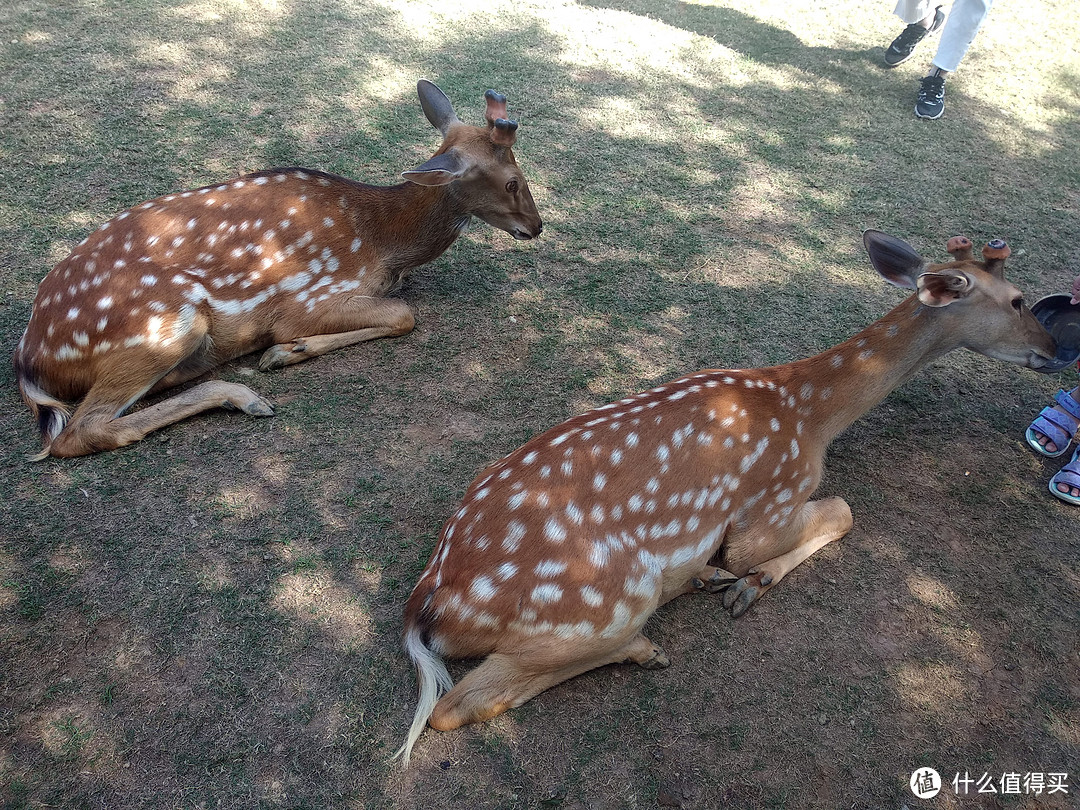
x=1054 y=428
x=1066 y=483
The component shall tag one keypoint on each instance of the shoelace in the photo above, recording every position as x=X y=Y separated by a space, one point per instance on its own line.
x=910 y=36
x=933 y=88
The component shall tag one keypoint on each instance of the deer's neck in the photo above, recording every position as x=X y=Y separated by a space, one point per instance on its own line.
x=840 y=385
x=412 y=224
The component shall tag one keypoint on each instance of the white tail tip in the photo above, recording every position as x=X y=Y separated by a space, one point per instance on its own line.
x=434 y=681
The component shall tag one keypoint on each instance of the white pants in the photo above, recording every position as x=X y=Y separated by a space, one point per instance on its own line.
x=965 y=19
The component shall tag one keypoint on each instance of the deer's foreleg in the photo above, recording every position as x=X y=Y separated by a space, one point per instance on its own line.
x=353 y=320
x=810 y=528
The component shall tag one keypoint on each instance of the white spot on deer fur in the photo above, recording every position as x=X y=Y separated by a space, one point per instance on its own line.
x=483 y=589
x=547 y=593
x=806 y=391
x=632 y=440
x=517 y=499
x=635 y=503
x=530 y=457
x=554 y=530
x=794 y=448
x=506 y=571
x=73 y=313
x=837 y=361
x=599 y=481
x=597 y=513
x=328 y=222
x=574 y=514
x=599 y=553
x=105 y=302
x=549 y=568
x=591 y=596
x=295 y=281
x=102 y=323
x=774 y=423
x=567 y=467
x=652 y=485
x=355 y=246
x=562 y=438
x=866 y=354
x=67 y=352
x=81 y=338
x=152 y=240
x=642 y=587
x=663 y=453
x=621 y=616
x=515 y=533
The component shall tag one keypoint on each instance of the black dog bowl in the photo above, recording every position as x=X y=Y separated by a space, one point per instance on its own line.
x=1062 y=320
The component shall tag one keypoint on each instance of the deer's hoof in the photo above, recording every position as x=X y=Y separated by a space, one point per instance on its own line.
x=718 y=581
x=258 y=407
x=658 y=661
x=279 y=356
x=739 y=597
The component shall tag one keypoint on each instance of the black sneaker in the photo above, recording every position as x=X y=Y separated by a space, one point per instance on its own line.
x=903 y=46
x=931 y=103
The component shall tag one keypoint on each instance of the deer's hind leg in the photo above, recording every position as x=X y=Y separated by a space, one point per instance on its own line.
x=768 y=559
x=352 y=320
x=99 y=423
x=504 y=682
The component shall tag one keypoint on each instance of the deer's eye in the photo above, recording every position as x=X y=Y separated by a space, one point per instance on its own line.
x=512 y=186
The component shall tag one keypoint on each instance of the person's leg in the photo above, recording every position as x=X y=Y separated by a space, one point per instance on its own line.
x=923 y=17
x=965 y=19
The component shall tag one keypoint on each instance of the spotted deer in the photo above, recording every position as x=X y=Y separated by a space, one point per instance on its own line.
x=292 y=259
x=562 y=550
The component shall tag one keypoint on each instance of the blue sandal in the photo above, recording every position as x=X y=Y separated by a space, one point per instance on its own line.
x=1057 y=427
x=1070 y=476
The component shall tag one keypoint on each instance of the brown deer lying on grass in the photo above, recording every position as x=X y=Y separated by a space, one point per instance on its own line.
x=562 y=550
x=292 y=259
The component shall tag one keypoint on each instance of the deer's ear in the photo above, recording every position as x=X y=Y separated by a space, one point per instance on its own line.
x=942 y=289
x=438 y=171
x=436 y=106
x=895 y=260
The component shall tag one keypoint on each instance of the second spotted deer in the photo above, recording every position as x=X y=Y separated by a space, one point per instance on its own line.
x=562 y=550
x=292 y=261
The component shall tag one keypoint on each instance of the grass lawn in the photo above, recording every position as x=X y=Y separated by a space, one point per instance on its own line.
x=211 y=617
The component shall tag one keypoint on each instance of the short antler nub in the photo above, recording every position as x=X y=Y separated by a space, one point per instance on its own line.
x=960 y=248
x=496 y=107
x=503 y=131
x=995 y=253
x=996 y=249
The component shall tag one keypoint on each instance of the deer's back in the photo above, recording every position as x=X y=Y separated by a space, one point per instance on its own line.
x=588 y=527
x=255 y=256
